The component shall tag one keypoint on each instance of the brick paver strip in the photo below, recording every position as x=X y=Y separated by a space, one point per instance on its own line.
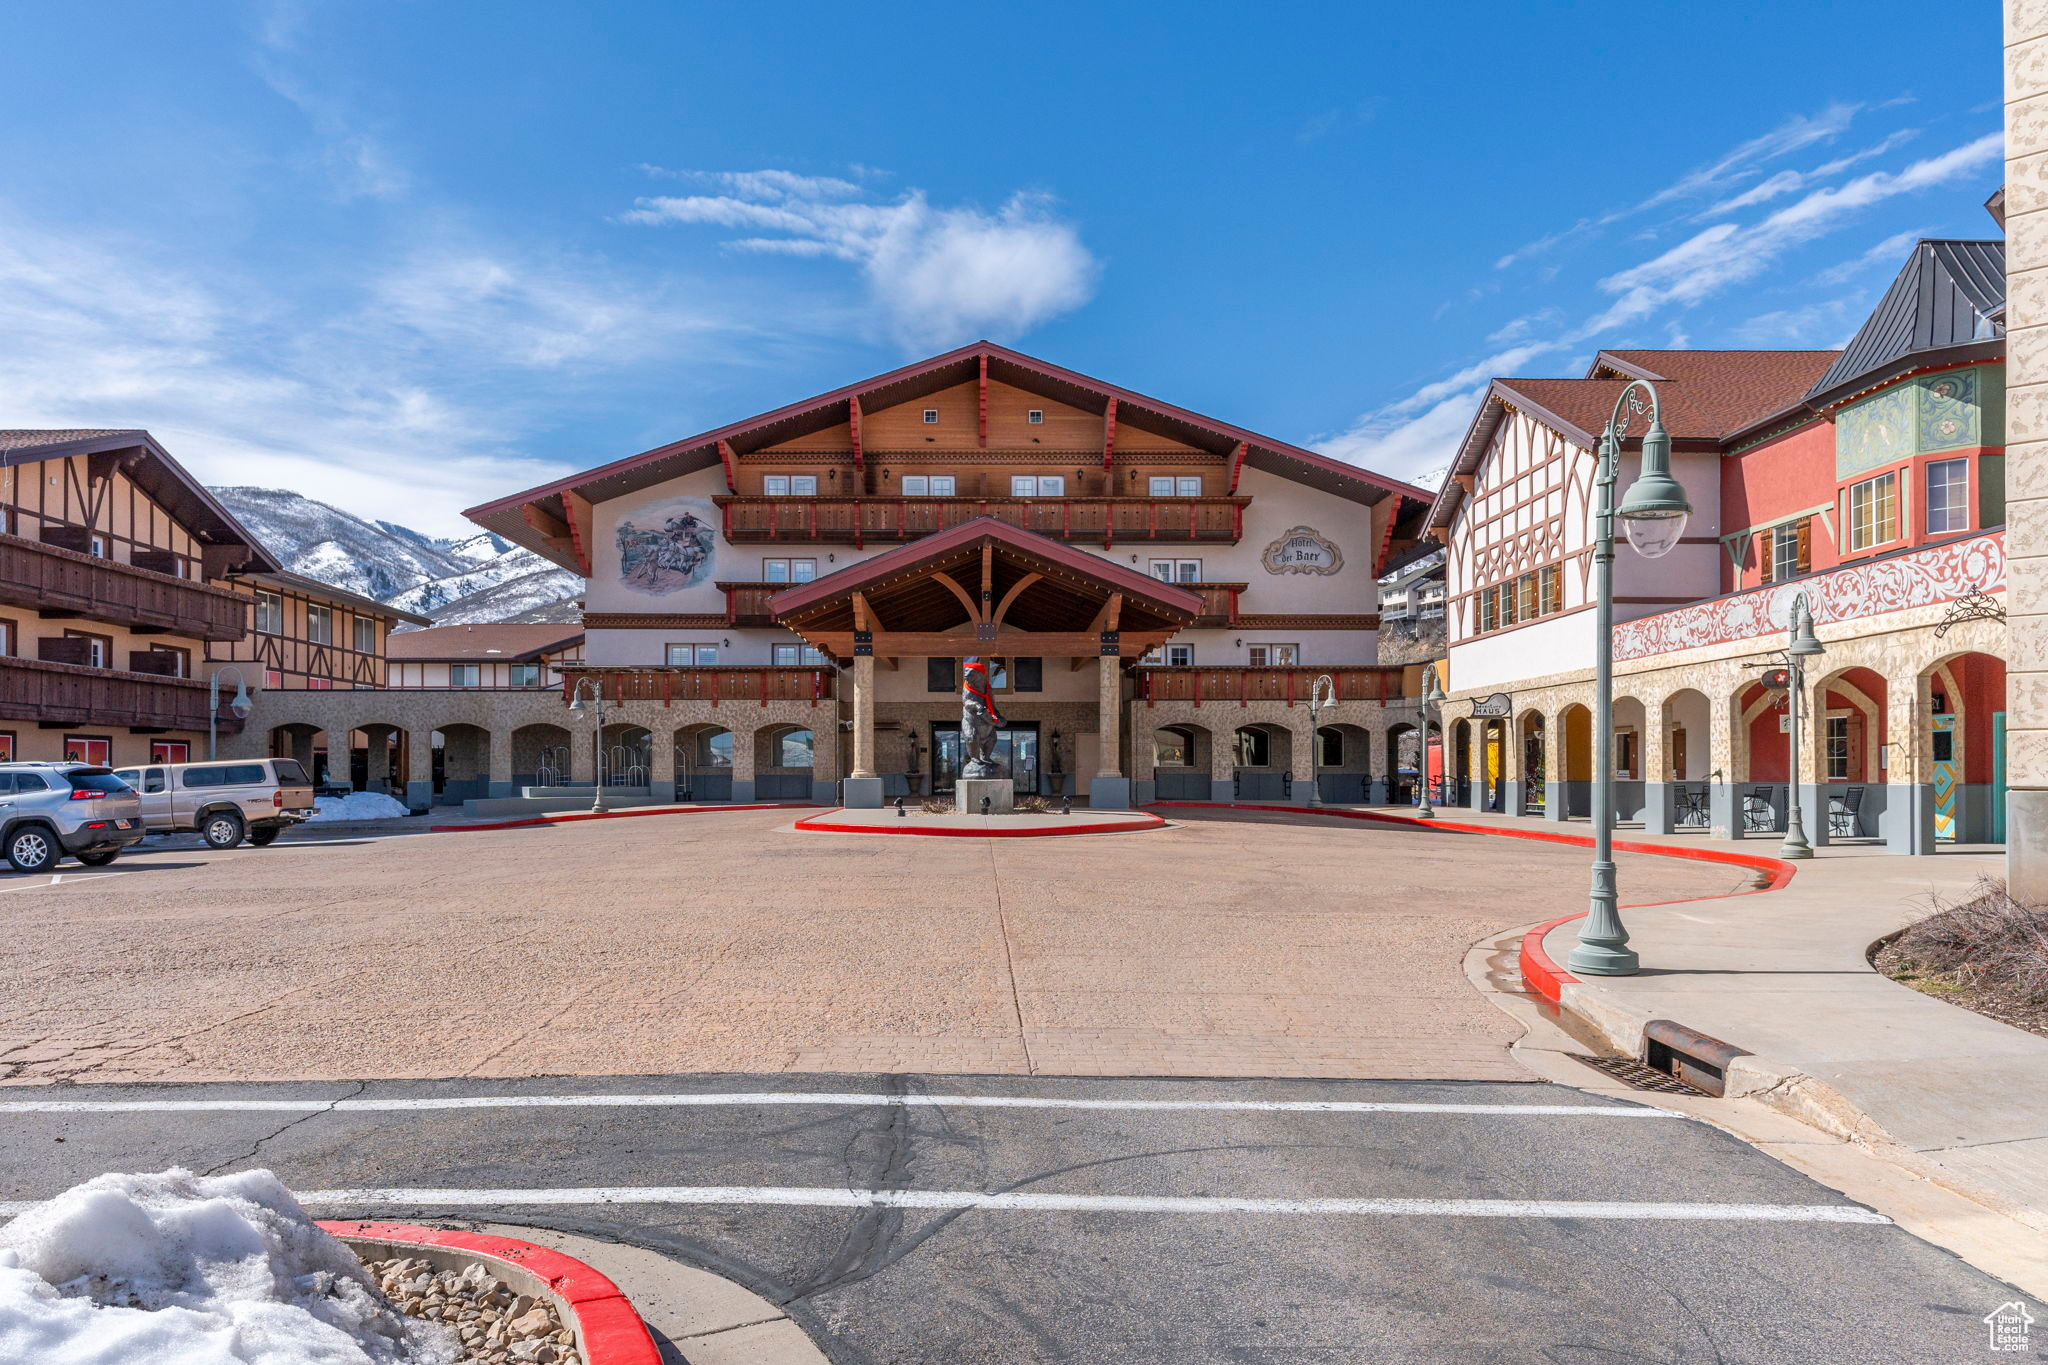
x=1237 y=943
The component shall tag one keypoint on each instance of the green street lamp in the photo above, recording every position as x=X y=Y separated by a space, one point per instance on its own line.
x=1432 y=700
x=1322 y=695
x=1653 y=514
x=1803 y=646
x=579 y=707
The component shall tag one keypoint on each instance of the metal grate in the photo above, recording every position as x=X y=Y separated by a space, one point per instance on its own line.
x=1635 y=1075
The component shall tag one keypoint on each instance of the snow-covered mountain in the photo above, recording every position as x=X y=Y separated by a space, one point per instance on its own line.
x=468 y=580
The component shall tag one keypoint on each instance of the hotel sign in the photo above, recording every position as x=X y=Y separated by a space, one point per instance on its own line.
x=1499 y=704
x=1302 y=550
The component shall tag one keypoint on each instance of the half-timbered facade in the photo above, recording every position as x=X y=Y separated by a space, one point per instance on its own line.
x=484 y=656
x=1868 y=480
x=305 y=635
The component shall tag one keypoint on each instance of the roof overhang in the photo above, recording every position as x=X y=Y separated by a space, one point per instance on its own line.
x=1911 y=363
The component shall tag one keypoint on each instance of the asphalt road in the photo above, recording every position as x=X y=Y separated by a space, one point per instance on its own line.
x=1166 y=1236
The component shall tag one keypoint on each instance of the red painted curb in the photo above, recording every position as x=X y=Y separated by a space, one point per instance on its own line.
x=1541 y=974
x=569 y=817
x=1120 y=827
x=608 y=1330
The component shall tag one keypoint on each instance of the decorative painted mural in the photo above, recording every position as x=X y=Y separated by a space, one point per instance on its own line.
x=1875 y=432
x=1301 y=549
x=668 y=546
x=1923 y=578
x=1945 y=411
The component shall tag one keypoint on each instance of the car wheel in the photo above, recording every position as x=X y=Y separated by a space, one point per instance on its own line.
x=100 y=857
x=265 y=837
x=222 y=829
x=32 y=848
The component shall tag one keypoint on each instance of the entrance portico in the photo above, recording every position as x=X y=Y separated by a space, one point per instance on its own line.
x=988 y=589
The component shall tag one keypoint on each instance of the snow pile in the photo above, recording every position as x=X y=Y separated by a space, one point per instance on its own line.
x=358 y=806
x=178 y=1269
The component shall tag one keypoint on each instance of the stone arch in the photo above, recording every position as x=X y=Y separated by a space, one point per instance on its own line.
x=542 y=755
x=704 y=762
x=1458 y=772
x=1404 y=762
x=460 y=763
x=628 y=755
x=785 y=757
x=1344 y=764
x=1630 y=749
x=1575 y=725
x=1964 y=694
x=1262 y=758
x=304 y=742
x=1531 y=739
x=380 y=756
x=1183 y=756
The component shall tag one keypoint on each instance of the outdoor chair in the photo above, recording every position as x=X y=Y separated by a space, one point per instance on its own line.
x=1845 y=814
x=1758 y=816
x=1692 y=807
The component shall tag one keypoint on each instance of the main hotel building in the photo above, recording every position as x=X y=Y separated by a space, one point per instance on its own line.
x=778 y=608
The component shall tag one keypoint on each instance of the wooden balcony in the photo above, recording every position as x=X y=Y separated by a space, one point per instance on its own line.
x=1241 y=685
x=716 y=685
x=67 y=694
x=61 y=582
x=1086 y=521
x=746 y=604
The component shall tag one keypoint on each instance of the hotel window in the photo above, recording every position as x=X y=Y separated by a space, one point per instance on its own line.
x=1177 y=570
x=319 y=684
x=1948 y=496
x=1180 y=656
x=1028 y=674
x=99 y=649
x=790 y=485
x=1175 y=486
x=178 y=661
x=365 y=634
x=1874 y=512
x=99 y=546
x=1489 y=610
x=927 y=485
x=1036 y=416
x=1788 y=550
x=524 y=675
x=798 y=656
x=1038 y=486
x=1626 y=747
x=319 y=624
x=1838 y=748
x=1273 y=656
x=939 y=675
x=269 y=613
x=686 y=656
x=1550 y=587
x=1169 y=748
x=6 y=638
x=272 y=679
x=1330 y=747
x=931 y=417
x=1525 y=597
x=788 y=570
x=465 y=675
x=1254 y=748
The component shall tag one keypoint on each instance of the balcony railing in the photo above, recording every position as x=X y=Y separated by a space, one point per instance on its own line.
x=1242 y=685
x=709 y=683
x=67 y=694
x=746 y=604
x=52 y=579
x=1104 y=521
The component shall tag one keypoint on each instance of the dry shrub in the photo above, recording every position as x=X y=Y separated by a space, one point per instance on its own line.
x=1989 y=943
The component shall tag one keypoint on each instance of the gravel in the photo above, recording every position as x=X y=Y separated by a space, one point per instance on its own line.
x=498 y=1324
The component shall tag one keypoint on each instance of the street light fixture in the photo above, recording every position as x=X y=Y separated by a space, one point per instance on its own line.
x=579 y=708
x=1322 y=695
x=242 y=705
x=1653 y=514
x=1803 y=646
x=1432 y=700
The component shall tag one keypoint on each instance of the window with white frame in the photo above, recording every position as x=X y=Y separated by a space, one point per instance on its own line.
x=794 y=656
x=931 y=417
x=788 y=570
x=1177 y=570
x=269 y=613
x=319 y=624
x=365 y=634
x=790 y=485
x=1272 y=656
x=1035 y=416
x=1038 y=486
x=927 y=485
x=1874 y=512
x=1788 y=551
x=99 y=546
x=1838 y=748
x=1175 y=485
x=1180 y=656
x=681 y=656
x=1948 y=496
x=465 y=675
x=524 y=675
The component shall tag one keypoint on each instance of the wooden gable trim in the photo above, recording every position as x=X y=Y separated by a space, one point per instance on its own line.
x=853 y=426
x=578 y=508
x=726 y=458
x=1237 y=465
x=1108 y=432
x=981 y=391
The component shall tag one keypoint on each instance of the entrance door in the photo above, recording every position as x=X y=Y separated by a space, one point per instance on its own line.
x=1947 y=762
x=1016 y=754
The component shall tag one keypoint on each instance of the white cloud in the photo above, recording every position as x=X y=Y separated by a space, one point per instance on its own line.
x=942 y=276
x=1824 y=324
x=1787 y=182
x=1889 y=253
x=1411 y=436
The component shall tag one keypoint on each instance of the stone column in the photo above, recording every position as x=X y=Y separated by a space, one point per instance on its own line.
x=1512 y=765
x=1144 y=766
x=1475 y=764
x=2026 y=449
x=1908 y=820
x=1659 y=803
x=743 y=763
x=419 y=769
x=377 y=765
x=1110 y=789
x=1301 y=739
x=1813 y=764
x=499 y=773
x=582 y=754
x=1727 y=756
x=862 y=789
x=661 y=762
x=1556 y=804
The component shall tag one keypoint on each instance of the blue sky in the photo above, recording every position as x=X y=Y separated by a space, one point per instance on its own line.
x=409 y=256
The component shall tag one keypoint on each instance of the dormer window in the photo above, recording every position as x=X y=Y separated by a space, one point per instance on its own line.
x=931 y=417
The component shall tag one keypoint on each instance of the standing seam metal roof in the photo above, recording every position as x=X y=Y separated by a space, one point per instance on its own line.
x=1946 y=295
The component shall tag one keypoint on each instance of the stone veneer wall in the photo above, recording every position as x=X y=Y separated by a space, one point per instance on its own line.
x=2026 y=452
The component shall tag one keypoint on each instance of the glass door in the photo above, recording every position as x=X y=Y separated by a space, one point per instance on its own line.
x=1016 y=753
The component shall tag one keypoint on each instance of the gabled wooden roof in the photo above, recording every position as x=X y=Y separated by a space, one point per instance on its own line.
x=506 y=517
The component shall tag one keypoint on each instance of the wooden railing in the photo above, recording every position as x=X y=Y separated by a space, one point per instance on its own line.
x=1105 y=521
x=50 y=578
x=31 y=689
x=709 y=683
x=1243 y=685
x=746 y=604
x=1219 y=601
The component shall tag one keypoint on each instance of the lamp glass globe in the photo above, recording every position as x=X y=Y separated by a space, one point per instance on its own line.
x=1654 y=537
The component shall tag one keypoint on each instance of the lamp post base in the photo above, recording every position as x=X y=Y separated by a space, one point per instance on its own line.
x=1592 y=959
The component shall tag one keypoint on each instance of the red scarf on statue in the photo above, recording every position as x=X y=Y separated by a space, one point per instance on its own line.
x=975 y=682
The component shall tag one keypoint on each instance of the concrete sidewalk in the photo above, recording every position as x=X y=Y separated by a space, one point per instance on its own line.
x=1954 y=1097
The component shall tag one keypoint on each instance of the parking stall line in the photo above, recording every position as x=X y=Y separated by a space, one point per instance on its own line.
x=826 y=1197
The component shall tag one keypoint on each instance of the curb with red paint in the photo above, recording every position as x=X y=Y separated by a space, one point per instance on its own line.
x=608 y=1328
x=570 y=817
x=1539 y=972
x=815 y=825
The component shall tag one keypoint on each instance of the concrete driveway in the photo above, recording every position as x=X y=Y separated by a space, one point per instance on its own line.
x=1235 y=944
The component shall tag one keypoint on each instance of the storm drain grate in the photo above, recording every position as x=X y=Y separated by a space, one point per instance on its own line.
x=1635 y=1075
